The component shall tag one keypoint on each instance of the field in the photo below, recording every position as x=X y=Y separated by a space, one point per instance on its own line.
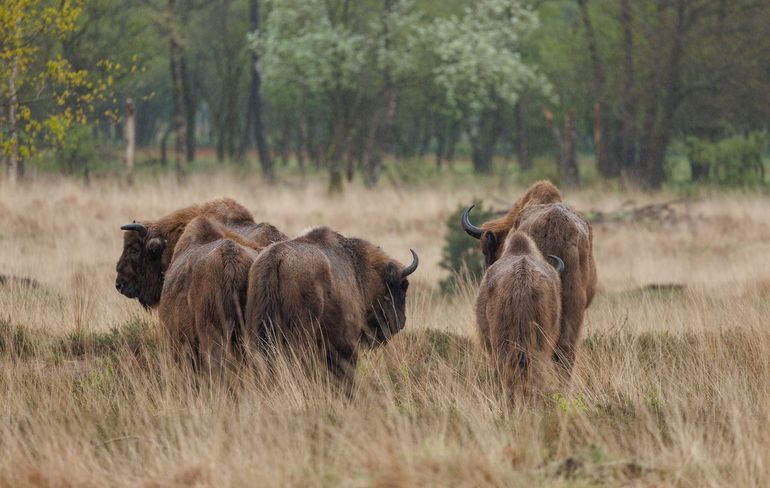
x=671 y=387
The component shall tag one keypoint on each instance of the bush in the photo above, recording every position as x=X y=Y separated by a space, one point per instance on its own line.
x=461 y=254
x=733 y=161
x=79 y=152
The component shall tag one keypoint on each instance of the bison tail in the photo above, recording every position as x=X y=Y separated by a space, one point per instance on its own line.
x=263 y=302
x=219 y=289
x=235 y=270
x=517 y=344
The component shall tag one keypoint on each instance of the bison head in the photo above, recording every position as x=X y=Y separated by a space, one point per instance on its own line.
x=490 y=240
x=387 y=315
x=140 y=267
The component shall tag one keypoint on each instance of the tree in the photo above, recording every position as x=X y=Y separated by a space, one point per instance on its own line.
x=480 y=68
x=346 y=58
x=42 y=94
x=606 y=167
x=255 y=99
x=658 y=69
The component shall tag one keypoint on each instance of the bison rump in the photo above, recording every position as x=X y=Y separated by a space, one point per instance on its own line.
x=559 y=230
x=204 y=297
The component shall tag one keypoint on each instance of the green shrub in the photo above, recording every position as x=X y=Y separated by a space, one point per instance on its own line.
x=733 y=161
x=79 y=152
x=461 y=254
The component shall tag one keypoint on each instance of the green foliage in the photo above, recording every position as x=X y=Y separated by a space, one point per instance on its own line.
x=42 y=91
x=479 y=55
x=78 y=151
x=733 y=161
x=461 y=255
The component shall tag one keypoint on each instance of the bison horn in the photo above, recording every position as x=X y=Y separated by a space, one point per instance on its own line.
x=410 y=269
x=471 y=229
x=559 y=263
x=140 y=228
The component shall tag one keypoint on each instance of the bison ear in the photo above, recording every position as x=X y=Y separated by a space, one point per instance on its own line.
x=392 y=276
x=155 y=246
x=489 y=246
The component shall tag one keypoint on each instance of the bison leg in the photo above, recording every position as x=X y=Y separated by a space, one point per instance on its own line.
x=213 y=348
x=482 y=323
x=341 y=360
x=573 y=312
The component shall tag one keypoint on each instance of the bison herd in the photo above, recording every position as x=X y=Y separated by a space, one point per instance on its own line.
x=225 y=285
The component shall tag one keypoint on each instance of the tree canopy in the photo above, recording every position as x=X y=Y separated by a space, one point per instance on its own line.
x=347 y=87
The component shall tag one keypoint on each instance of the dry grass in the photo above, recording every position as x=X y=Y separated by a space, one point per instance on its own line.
x=672 y=386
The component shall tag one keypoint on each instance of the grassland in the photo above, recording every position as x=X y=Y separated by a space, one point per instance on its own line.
x=671 y=387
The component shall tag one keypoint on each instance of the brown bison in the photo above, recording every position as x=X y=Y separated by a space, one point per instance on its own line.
x=328 y=292
x=517 y=313
x=204 y=292
x=148 y=246
x=557 y=230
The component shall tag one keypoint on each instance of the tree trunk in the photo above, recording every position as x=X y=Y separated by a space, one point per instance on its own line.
x=440 y=145
x=484 y=140
x=15 y=164
x=245 y=139
x=606 y=167
x=566 y=154
x=628 y=124
x=178 y=115
x=164 y=144
x=664 y=103
x=305 y=144
x=522 y=153
x=383 y=116
x=571 y=173
x=130 y=140
x=375 y=140
x=189 y=109
x=259 y=129
x=454 y=135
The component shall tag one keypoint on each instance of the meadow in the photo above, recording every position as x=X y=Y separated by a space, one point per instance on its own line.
x=671 y=385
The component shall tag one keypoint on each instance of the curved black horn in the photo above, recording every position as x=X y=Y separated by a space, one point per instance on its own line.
x=559 y=263
x=471 y=229
x=140 y=228
x=410 y=269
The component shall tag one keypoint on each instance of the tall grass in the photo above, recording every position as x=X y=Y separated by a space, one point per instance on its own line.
x=670 y=385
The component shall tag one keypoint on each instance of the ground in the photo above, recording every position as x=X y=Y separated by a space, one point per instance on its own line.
x=670 y=387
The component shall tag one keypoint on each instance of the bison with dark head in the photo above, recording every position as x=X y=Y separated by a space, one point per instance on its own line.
x=558 y=230
x=518 y=309
x=492 y=234
x=328 y=292
x=204 y=291
x=148 y=246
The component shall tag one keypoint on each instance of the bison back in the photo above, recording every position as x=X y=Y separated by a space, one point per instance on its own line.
x=289 y=284
x=522 y=308
x=218 y=291
x=559 y=230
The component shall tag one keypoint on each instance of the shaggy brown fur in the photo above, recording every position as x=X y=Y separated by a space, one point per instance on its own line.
x=517 y=314
x=327 y=292
x=146 y=258
x=204 y=293
x=559 y=230
x=495 y=231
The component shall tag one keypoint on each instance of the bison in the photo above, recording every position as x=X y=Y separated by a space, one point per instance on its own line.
x=148 y=246
x=204 y=292
x=557 y=230
x=493 y=233
x=328 y=292
x=517 y=313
